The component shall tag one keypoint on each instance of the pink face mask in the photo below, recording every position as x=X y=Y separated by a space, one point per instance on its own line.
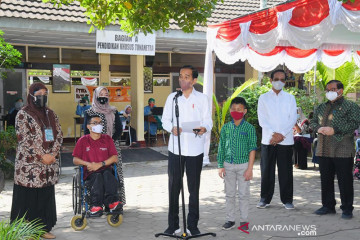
x=185 y=85
x=237 y=115
x=151 y=105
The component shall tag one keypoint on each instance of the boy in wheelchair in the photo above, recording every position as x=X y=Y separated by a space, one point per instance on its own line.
x=97 y=152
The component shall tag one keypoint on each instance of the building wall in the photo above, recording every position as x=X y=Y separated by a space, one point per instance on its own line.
x=64 y=106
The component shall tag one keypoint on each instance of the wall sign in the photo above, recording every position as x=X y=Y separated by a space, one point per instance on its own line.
x=118 y=42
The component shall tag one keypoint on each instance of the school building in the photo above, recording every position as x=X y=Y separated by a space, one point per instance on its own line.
x=47 y=36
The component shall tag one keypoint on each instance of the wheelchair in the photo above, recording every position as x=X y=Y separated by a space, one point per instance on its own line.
x=81 y=207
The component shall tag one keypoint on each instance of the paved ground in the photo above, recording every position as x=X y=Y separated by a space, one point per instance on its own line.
x=147 y=202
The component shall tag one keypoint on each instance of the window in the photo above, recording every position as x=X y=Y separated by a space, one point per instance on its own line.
x=86 y=78
x=43 y=55
x=38 y=75
x=120 y=79
x=79 y=56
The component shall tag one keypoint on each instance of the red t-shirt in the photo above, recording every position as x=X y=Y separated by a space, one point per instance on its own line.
x=91 y=150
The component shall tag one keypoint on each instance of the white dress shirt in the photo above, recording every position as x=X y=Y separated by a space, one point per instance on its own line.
x=277 y=113
x=194 y=108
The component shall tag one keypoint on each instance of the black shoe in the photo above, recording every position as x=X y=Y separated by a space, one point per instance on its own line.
x=193 y=231
x=172 y=230
x=228 y=225
x=346 y=215
x=244 y=225
x=324 y=210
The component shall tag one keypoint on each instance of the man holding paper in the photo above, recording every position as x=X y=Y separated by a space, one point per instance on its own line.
x=194 y=121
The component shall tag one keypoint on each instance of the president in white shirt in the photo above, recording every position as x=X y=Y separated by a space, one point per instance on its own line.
x=194 y=113
x=277 y=116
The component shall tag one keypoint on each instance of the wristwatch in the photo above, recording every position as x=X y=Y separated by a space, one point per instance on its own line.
x=103 y=163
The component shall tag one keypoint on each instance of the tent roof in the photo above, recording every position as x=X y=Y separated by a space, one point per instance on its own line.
x=297 y=33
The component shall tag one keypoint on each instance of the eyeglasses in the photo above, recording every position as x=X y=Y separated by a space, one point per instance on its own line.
x=331 y=90
x=94 y=123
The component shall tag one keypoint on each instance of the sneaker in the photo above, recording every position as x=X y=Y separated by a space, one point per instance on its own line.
x=262 y=204
x=244 y=225
x=228 y=225
x=289 y=206
x=324 y=210
x=96 y=211
x=346 y=215
x=172 y=231
x=193 y=231
x=115 y=206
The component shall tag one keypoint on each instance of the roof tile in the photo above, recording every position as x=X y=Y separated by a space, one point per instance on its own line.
x=36 y=9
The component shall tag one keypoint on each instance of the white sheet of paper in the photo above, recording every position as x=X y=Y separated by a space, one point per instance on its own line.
x=189 y=126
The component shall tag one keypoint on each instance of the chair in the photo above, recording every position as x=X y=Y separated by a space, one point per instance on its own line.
x=126 y=135
x=160 y=128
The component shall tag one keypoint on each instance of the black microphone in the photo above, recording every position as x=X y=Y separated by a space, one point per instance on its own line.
x=178 y=94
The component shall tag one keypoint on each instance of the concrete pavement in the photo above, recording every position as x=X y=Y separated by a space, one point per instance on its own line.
x=147 y=202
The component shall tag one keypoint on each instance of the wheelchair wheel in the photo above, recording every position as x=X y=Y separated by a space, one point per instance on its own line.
x=76 y=193
x=77 y=223
x=114 y=220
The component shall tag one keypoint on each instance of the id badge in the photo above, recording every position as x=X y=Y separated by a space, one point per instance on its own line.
x=49 y=136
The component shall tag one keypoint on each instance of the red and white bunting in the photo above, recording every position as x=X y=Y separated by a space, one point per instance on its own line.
x=293 y=34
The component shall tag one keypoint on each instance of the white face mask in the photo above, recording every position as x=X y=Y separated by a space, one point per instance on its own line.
x=97 y=128
x=278 y=85
x=331 y=95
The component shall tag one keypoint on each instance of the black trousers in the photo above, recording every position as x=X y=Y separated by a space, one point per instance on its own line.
x=282 y=156
x=342 y=167
x=103 y=188
x=193 y=166
x=300 y=155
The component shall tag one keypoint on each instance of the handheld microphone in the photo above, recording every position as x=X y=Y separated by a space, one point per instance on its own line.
x=178 y=94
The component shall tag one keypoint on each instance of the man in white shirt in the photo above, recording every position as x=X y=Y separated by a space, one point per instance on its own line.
x=194 y=113
x=277 y=116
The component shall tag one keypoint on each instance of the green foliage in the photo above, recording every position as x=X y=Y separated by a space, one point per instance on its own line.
x=251 y=96
x=344 y=1
x=306 y=102
x=348 y=74
x=144 y=15
x=9 y=56
x=222 y=112
x=8 y=144
x=21 y=229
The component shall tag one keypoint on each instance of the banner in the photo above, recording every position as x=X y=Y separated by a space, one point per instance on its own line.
x=118 y=42
x=116 y=94
x=80 y=92
x=61 y=78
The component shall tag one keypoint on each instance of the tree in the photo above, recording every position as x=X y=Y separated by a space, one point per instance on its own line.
x=9 y=56
x=144 y=15
x=348 y=74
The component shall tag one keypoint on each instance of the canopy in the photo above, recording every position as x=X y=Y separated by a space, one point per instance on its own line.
x=294 y=33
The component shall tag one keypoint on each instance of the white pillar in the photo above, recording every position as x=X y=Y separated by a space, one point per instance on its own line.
x=263 y=4
x=137 y=94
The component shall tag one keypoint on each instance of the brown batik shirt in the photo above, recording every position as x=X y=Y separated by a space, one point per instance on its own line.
x=29 y=170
